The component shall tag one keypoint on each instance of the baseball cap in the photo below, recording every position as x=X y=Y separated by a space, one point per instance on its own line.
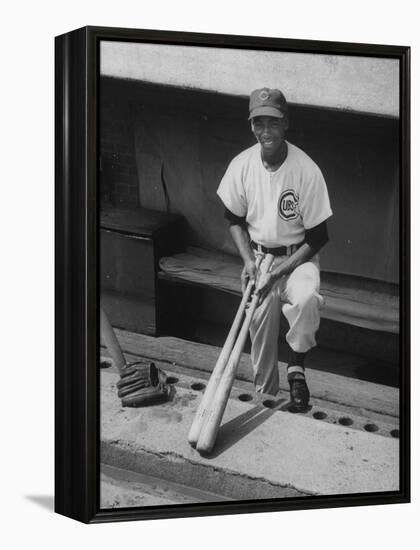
x=267 y=102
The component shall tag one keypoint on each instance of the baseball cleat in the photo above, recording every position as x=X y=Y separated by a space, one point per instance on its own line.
x=299 y=395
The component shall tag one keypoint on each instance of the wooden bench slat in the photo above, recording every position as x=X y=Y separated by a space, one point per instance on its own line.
x=355 y=306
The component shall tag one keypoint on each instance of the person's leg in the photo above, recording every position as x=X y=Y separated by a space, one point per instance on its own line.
x=302 y=307
x=302 y=313
x=296 y=358
x=264 y=332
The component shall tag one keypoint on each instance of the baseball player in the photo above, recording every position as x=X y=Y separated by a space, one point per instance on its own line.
x=276 y=201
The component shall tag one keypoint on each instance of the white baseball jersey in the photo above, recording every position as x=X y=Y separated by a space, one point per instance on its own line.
x=279 y=205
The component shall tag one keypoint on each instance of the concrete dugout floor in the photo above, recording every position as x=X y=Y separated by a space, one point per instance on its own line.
x=262 y=451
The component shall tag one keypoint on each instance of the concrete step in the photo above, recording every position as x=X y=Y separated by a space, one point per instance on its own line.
x=336 y=389
x=327 y=411
x=261 y=452
x=125 y=488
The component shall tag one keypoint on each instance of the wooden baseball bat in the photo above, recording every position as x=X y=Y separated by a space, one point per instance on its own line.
x=111 y=342
x=201 y=414
x=215 y=413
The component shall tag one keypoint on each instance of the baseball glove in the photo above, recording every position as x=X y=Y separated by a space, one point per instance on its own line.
x=142 y=384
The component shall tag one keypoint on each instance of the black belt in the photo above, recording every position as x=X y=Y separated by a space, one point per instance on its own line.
x=279 y=251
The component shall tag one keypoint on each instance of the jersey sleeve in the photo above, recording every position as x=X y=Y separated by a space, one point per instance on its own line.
x=231 y=191
x=314 y=201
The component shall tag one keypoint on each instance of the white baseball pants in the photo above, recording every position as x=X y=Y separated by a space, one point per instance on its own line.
x=298 y=295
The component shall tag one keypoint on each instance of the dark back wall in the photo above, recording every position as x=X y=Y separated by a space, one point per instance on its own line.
x=167 y=148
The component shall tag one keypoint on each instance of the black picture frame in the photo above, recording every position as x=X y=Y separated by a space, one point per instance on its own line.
x=77 y=299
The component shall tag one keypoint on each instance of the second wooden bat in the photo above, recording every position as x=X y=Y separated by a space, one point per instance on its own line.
x=215 y=413
x=202 y=411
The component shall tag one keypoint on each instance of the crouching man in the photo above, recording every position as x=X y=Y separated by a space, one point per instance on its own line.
x=276 y=201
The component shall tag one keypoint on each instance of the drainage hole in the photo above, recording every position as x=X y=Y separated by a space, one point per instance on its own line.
x=172 y=380
x=395 y=433
x=319 y=415
x=371 y=427
x=345 y=421
x=198 y=386
x=245 y=397
x=269 y=403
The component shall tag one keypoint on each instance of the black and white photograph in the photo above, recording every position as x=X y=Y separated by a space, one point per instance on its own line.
x=209 y=283
x=209 y=235
x=250 y=259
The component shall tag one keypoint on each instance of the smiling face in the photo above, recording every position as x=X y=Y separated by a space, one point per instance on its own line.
x=269 y=132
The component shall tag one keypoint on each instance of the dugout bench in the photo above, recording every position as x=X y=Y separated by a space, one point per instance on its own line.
x=153 y=282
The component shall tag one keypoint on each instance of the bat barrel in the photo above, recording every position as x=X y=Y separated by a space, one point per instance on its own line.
x=202 y=411
x=216 y=410
x=209 y=430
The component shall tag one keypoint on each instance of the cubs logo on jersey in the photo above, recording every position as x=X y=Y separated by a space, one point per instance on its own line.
x=288 y=205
